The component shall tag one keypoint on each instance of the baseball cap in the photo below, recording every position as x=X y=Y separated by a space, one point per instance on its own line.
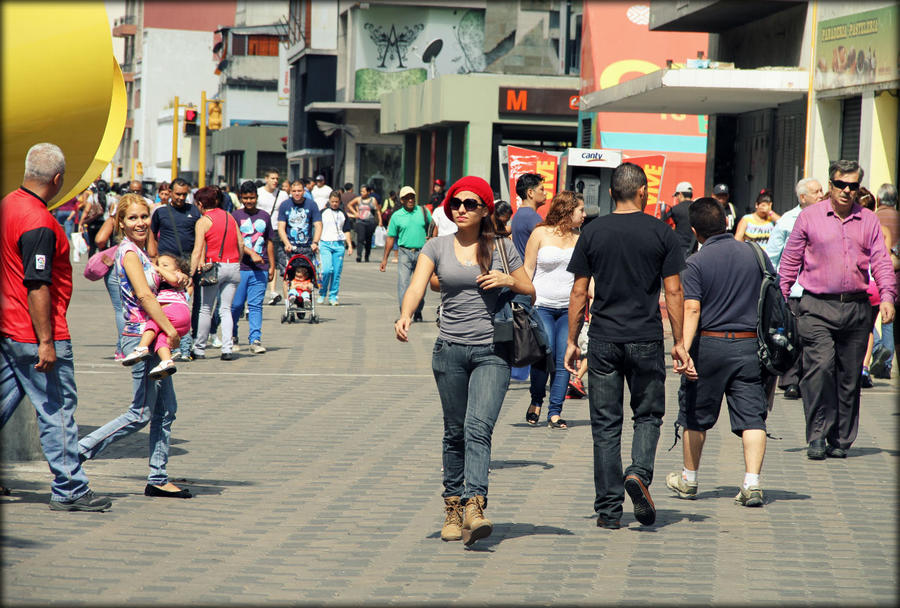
x=720 y=189
x=439 y=182
x=320 y=177
x=684 y=187
x=405 y=190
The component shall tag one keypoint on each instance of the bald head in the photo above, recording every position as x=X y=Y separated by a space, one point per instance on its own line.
x=136 y=187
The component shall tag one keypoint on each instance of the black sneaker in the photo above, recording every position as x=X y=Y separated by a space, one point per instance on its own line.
x=833 y=451
x=227 y=357
x=816 y=450
x=86 y=502
x=792 y=392
x=417 y=317
x=644 y=509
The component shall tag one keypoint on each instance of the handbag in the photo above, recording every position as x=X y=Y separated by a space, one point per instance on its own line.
x=97 y=266
x=521 y=327
x=210 y=276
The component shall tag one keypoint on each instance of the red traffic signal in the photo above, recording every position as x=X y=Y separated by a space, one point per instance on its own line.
x=190 y=121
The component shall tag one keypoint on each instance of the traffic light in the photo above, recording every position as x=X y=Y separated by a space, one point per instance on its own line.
x=215 y=116
x=190 y=121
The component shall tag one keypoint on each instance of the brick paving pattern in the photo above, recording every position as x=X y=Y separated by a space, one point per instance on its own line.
x=316 y=470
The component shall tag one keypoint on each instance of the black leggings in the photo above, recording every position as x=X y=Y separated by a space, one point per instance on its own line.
x=364 y=233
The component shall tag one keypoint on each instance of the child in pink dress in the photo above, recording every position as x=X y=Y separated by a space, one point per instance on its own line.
x=174 y=305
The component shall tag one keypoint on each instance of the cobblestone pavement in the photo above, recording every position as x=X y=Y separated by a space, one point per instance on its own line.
x=317 y=474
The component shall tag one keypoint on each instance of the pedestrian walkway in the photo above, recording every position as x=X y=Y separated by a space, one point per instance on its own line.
x=316 y=470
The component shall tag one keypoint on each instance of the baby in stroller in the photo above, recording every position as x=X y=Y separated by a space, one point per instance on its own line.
x=300 y=275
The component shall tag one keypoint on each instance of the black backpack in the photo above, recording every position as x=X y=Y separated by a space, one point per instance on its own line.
x=778 y=341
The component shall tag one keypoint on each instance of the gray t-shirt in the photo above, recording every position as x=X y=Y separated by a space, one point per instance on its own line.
x=465 y=308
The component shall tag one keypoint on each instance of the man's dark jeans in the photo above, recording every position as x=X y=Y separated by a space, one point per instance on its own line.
x=610 y=365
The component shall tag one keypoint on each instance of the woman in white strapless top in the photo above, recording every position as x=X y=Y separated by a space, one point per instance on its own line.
x=547 y=255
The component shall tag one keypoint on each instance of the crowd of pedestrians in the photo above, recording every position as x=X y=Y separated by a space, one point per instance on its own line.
x=180 y=267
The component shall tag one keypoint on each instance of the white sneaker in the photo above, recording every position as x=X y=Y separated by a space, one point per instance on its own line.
x=234 y=346
x=165 y=368
x=257 y=348
x=216 y=343
x=138 y=354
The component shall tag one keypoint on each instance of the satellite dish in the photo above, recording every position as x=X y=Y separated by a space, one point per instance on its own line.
x=221 y=67
x=432 y=50
x=217 y=47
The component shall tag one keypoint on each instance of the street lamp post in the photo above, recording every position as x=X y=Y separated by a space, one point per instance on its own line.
x=201 y=180
x=175 y=140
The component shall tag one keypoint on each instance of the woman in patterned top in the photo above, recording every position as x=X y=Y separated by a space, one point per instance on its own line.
x=154 y=401
x=756 y=227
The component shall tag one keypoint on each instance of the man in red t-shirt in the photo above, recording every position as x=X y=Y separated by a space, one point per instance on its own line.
x=35 y=346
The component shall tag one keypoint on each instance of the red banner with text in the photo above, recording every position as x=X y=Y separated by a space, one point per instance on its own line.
x=523 y=160
x=654 y=166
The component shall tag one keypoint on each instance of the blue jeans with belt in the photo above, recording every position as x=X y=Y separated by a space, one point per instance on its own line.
x=154 y=402
x=555 y=322
x=610 y=365
x=55 y=399
x=472 y=382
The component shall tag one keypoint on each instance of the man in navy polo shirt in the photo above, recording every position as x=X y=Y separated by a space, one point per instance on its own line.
x=721 y=294
x=35 y=345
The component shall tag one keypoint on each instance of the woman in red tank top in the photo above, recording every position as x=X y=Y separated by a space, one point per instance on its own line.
x=218 y=241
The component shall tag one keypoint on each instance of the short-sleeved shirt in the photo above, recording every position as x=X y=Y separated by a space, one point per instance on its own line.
x=271 y=202
x=410 y=226
x=465 y=308
x=442 y=223
x=164 y=224
x=299 y=220
x=724 y=277
x=135 y=316
x=334 y=225
x=627 y=254
x=33 y=247
x=680 y=214
x=256 y=231
x=523 y=222
x=320 y=195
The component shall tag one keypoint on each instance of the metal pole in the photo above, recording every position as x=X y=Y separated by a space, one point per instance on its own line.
x=807 y=164
x=201 y=161
x=175 y=140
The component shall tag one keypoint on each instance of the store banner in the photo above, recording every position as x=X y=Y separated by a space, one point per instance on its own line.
x=858 y=49
x=521 y=161
x=654 y=166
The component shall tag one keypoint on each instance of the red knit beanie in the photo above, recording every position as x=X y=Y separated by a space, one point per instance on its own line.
x=472 y=184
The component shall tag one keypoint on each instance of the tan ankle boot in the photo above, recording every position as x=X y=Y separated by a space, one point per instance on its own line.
x=452 y=529
x=475 y=524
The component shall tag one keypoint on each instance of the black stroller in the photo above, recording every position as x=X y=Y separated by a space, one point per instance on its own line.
x=299 y=307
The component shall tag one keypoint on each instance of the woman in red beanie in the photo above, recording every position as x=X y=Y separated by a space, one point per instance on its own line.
x=472 y=373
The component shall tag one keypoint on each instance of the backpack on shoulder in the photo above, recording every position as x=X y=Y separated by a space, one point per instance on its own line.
x=778 y=341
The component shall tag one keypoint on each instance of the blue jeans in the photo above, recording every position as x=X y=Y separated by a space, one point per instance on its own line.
x=252 y=290
x=556 y=326
x=472 y=382
x=55 y=399
x=154 y=403
x=111 y=280
x=405 y=268
x=610 y=365
x=886 y=340
x=332 y=254
x=68 y=225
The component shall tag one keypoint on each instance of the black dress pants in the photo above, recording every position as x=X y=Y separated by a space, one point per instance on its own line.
x=834 y=336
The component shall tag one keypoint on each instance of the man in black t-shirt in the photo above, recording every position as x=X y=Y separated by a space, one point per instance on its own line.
x=627 y=253
x=680 y=215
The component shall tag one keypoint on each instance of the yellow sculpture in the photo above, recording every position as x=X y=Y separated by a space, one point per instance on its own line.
x=60 y=83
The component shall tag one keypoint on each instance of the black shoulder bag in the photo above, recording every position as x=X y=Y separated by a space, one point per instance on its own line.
x=522 y=327
x=210 y=276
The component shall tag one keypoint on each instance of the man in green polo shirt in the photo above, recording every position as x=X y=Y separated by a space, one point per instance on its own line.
x=408 y=226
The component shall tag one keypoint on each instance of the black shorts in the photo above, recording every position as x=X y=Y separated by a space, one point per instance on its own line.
x=730 y=368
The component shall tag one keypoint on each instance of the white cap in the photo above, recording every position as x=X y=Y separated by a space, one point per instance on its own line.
x=406 y=190
x=684 y=187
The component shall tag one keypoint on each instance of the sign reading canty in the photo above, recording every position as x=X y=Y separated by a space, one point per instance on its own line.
x=547 y=102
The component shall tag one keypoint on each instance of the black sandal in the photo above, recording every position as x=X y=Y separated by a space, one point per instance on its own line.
x=533 y=415
x=559 y=424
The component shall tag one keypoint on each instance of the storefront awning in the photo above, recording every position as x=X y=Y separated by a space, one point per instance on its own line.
x=333 y=107
x=701 y=91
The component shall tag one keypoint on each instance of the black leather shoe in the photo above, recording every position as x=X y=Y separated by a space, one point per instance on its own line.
x=792 y=392
x=835 y=452
x=227 y=357
x=816 y=450
x=417 y=317
x=609 y=524
x=154 y=491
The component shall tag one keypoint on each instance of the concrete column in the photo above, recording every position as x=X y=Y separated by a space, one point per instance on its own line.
x=825 y=144
x=19 y=440
x=480 y=140
x=881 y=111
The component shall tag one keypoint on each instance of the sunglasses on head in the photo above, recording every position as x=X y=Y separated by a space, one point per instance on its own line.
x=470 y=204
x=840 y=185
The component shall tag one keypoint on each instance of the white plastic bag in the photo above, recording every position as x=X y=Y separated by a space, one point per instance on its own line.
x=379 y=236
x=79 y=246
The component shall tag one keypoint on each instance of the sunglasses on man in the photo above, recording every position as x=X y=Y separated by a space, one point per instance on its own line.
x=470 y=204
x=841 y=185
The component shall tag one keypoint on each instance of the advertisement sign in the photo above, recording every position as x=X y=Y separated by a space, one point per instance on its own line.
x=654 y=166
x=284 y=77
x=858 y=49
x=522 y=160
x=546 y=102
x=590 y=157
x=638 y=51
x=397 y=47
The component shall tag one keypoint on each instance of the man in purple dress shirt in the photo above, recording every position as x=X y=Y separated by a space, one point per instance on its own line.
x=831 y=249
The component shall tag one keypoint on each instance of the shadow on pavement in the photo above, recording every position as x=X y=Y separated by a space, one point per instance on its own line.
x=664 y=517
x=509 y=531
x=509 y=464
x=135 y=445
x=855 y=452
x=14 y=542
